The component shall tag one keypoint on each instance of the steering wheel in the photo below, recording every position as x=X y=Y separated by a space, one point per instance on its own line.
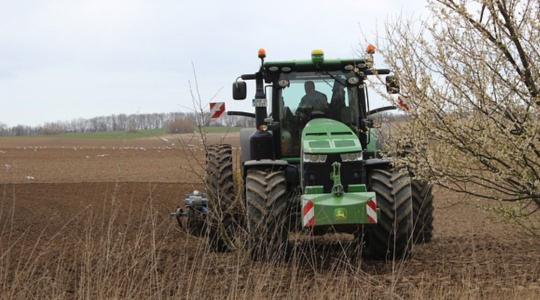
x=317 y=114
x=307 y=113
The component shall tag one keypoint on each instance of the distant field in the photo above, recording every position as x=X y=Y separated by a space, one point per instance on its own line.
x=97 y=135
x=215 y=129
x=114 y=134
x=124 y=135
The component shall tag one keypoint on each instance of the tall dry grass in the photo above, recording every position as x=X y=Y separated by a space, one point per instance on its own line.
x=120 y=251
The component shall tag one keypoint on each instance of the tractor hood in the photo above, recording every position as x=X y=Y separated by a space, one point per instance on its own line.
x=327 y=136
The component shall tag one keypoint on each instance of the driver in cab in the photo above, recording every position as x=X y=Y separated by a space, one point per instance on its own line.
x=313 y=100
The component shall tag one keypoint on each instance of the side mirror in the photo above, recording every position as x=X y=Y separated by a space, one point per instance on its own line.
x=392 y=84
x=239 y=90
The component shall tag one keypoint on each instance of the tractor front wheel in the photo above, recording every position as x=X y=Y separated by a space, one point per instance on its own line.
x=391 y=237
x=267 y=213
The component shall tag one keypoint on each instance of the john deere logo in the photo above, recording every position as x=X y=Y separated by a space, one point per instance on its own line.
x=340 y=213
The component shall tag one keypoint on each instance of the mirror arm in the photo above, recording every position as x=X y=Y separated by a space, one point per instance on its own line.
x=377 y=72
x=248 y=77
x=241 y=113
x=381 y=109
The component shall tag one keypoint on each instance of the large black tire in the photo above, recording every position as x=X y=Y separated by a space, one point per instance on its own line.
x=391 y=238
x=267 y=213
x=221 y=221
x=422 y=211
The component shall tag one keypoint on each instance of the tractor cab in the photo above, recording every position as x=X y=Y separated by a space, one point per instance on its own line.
x=303 y=90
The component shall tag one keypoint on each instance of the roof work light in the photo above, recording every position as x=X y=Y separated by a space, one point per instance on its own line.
x=317 y=56
x=370 y=49
x=261 y=53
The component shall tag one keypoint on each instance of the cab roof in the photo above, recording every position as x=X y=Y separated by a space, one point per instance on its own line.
x=310 y=65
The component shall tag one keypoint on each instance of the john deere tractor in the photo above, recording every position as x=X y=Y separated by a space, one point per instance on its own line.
x=312 y=164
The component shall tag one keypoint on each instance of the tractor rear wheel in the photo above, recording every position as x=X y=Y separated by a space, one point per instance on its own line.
x=221 y=221
x=423 y=211
x=267 y=213
x=391 y=238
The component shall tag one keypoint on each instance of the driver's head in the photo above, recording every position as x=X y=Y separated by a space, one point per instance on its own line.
x=309 y=86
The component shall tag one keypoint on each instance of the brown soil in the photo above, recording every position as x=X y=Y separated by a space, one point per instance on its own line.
x=53 y=160
x=472 y=249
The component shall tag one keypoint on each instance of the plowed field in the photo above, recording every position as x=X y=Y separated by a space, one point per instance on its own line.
x=89 y=219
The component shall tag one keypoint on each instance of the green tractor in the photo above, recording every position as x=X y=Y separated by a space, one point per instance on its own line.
x=312 y=164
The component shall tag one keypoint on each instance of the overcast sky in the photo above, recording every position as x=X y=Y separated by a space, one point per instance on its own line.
x=66 y=59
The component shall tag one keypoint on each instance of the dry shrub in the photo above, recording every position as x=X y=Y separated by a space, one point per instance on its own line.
x=181 y=125
x=119 y=252
x=52 y=128
x=471 y=77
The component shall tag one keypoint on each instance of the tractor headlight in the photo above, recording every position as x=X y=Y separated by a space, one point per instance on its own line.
x=315 y=158
x=286 y=69
x=355 y=156
x=283 y=83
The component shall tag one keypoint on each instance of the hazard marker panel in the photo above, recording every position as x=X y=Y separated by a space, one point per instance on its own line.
x=216 y=109
x=308 y=214
x=371 y=208
x=402 y=103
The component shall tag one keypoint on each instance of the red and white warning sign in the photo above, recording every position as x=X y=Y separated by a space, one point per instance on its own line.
x=402 y=103
x=308 y=213
x=371 y=208
x=216 y=109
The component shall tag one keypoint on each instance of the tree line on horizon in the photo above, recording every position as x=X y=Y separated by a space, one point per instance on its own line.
x=173 y=122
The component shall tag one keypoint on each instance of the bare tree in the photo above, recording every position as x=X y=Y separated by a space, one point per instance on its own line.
x=470 y=76
x=3 y=129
